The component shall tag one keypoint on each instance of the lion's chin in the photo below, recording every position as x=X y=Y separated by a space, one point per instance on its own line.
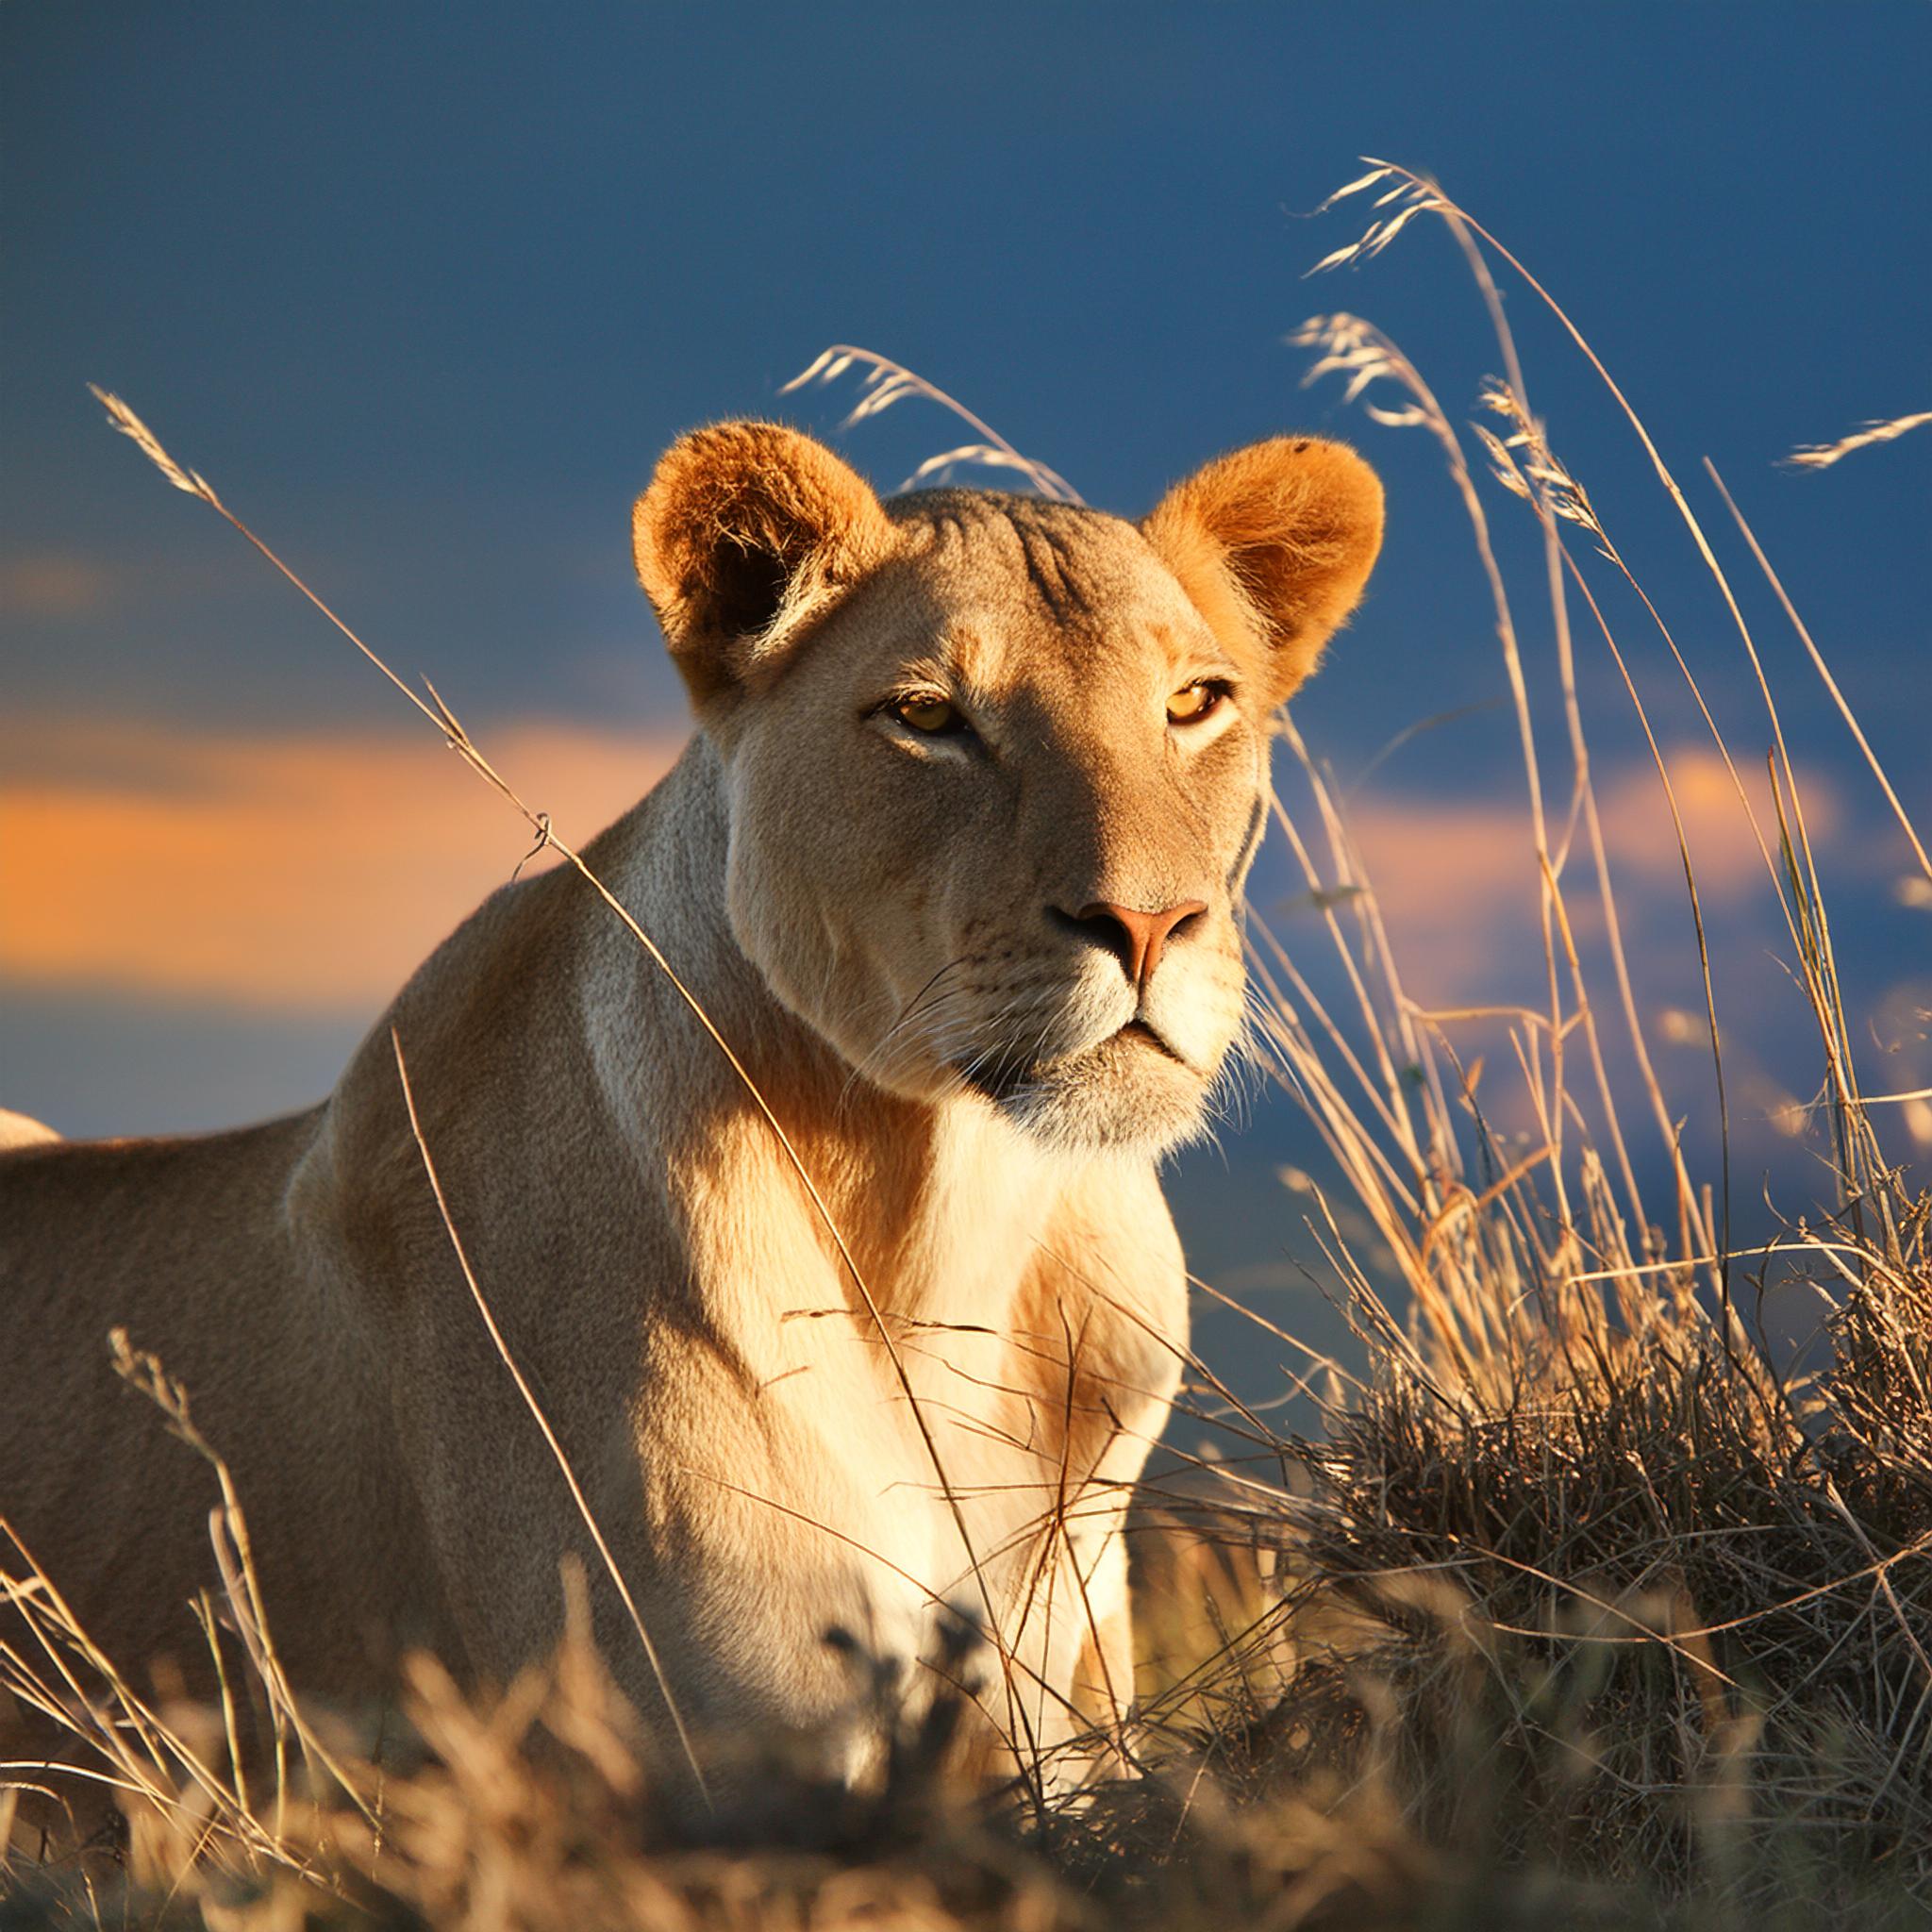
x=1129 y=1092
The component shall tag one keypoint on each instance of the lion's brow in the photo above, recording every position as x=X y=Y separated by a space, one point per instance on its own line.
x=963 y=658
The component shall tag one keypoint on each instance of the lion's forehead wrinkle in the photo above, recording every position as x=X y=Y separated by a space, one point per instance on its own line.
x=1015 y=585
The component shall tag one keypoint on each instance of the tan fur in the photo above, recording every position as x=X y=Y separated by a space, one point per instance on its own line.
x=887 y=927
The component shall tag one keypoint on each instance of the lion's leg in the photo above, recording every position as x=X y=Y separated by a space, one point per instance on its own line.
x=1088 y=1634
x=1104 y=1672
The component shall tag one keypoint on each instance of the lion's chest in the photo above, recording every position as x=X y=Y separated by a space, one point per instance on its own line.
x=951 y=1435
x=940 y=1429
x=956 y=1467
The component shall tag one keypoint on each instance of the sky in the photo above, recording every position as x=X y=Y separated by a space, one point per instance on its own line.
x=423 y=291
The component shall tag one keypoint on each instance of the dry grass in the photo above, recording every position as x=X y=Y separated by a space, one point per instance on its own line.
x=1820 y=456
x=1589 y=1604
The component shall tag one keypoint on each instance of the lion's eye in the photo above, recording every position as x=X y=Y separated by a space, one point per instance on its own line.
x=931 y=716
x=1195 y=701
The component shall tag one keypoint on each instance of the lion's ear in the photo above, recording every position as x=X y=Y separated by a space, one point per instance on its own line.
x=1274 y=544
x=746 y=531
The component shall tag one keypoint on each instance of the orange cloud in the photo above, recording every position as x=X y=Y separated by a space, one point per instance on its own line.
x=1458 y=880
x=289 y=870
x=1724 y=850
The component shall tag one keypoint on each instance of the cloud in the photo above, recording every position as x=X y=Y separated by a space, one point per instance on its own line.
x=1457 y=879
x=293 y=871
x=1724 y=850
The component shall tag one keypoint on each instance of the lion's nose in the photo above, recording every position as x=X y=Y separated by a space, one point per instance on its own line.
x=1137 y=939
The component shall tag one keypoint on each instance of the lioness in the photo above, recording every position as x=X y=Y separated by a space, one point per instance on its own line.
x=954 y=863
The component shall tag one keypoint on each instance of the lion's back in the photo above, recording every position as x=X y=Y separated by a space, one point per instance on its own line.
x=22 y=1130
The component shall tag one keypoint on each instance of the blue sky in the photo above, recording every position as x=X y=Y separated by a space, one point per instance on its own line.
x=425 y=291
x=430 y=288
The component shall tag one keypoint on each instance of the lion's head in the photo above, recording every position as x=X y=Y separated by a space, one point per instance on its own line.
x=996 y=767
